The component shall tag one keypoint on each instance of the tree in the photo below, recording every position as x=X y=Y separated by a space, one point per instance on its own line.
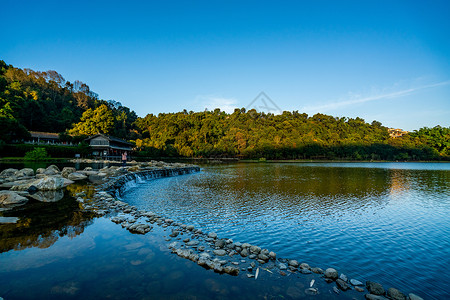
x=100 y=120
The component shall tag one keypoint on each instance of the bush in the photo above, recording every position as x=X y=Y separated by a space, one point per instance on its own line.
x=37 y=154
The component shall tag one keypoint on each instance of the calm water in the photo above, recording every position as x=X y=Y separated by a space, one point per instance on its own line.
x=387 y=222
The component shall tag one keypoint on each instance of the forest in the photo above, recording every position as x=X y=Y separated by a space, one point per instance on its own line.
x=45 y=101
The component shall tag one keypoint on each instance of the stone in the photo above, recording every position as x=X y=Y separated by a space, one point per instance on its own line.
x=67 y=170
x=8 y=172
x=263 y=257
x=293 y=263
x=219 y=244
x=305 y=266
x=343 y=277
x=282 y=266
x=234 y=271
x=375 y=288
x=220 y=252
x=51 y=170
x=356 y=282
x=212 y=235
x=190 y=227
x=75 y=176
x=331 y=273
x=359 y=289
x=414 y=297
x=192 y=243
x=317 y=270
x=305 y=271
x=46 y=183
x=9 y=198
x=8 y=220
x=245 y=245
x=27 y=172
x=272 y=255
x=244 y=252
x=342 y=284
x=395 y=294
x=255 y=249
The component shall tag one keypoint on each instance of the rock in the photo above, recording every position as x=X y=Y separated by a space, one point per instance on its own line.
x=245 y=245
x=8 y=172
x=255 y=249
x=414 y=297
x=375 y=288
x=48 y=196
x=311 y=291
x=359 y=289
x=342 y=284
x=51 y=170
x=374 y=297
x=190 y=227
x=8 y=220
x=356 y=282
x=317 y=270
x=395 y=294
x=244 y=252
x=46 y=183
x=231 y=270
x=272 y=255
x=219 y=244
x=192 y=243
x=66 y=171
x=28 y=172
x=40 y=171
x=293 y=263
x=343 y=277
x=263 y=257
x=282 y=266
x=212 y=235
x=9 y=198
x=220 y=252
x=75 y=176
x=305 y=266
x=331 y=273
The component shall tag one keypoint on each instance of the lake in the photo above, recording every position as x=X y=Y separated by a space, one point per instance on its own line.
x=387 y=222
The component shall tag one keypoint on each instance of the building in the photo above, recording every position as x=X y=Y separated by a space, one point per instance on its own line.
x=108 y=147
x=396 y=133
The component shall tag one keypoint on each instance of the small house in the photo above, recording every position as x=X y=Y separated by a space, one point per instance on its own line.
x=108 y=147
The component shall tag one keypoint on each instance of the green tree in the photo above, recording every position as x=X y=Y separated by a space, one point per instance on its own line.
x=99 y=120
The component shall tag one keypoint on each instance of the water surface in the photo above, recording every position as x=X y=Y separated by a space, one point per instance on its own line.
x=386 y=222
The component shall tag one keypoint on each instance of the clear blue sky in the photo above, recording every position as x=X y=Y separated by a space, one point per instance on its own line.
x=380 y=60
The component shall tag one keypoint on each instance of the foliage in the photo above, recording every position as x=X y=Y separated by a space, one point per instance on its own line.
x=17 y=150
x=45 y=101
x=37 y=154
x=99 y=120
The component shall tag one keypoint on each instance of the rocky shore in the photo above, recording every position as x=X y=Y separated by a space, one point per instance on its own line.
x=206 y=249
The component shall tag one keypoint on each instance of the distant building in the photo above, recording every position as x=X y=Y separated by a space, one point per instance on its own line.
x=108 y=147
x=38 y=137
x=396 y=133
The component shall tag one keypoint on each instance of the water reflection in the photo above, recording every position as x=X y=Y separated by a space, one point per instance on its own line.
x=349 y=217
x=43 y=221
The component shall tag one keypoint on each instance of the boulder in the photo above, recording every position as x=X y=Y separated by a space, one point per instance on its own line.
x=375 y=288
x=414 y=297
x=331 y=273
x=220 y=252
x=75 y=176
x=342 y=284
x=46 y=183
x=8 y=172
x=9 y=198
x=25 y=172
x=67 y=170
x=52 y=170
x=293 y=263
x=395 y=294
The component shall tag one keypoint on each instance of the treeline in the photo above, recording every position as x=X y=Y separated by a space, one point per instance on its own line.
x=291 y=135
x=45 y=101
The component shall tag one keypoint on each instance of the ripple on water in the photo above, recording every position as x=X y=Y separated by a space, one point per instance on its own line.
x=383 y=222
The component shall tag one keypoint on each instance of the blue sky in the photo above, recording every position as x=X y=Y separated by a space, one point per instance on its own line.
x=380 y=60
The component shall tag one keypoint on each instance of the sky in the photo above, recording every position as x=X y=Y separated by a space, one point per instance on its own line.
x=379 y=60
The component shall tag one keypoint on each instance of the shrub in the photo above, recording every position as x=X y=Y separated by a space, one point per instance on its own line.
x=37 y=154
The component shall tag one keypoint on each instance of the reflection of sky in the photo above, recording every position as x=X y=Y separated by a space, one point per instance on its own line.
x=345 y=217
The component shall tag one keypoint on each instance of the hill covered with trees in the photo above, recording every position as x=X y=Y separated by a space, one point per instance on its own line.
x=45 y=101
